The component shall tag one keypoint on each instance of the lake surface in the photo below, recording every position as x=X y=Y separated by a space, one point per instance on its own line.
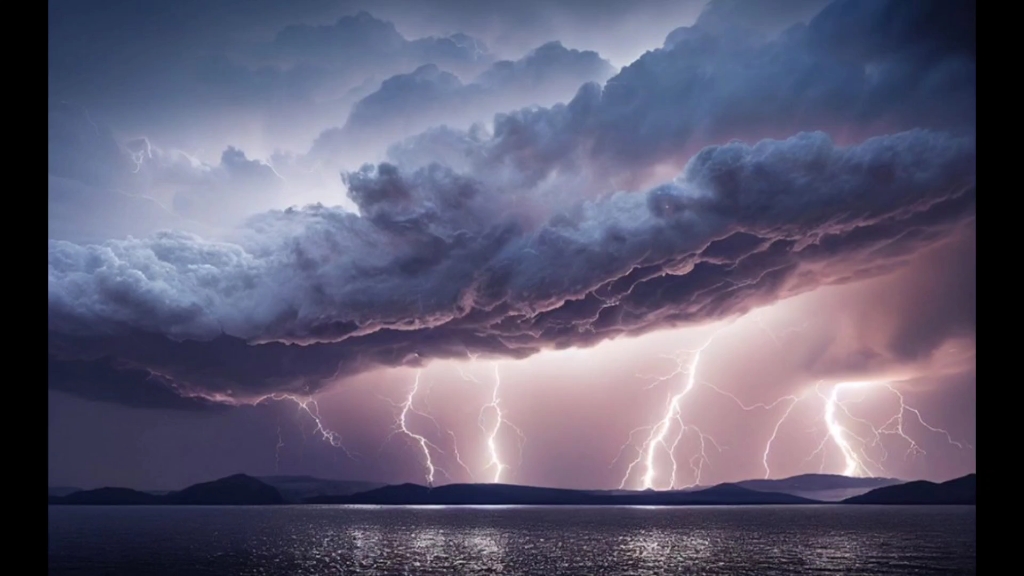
x=545 y=541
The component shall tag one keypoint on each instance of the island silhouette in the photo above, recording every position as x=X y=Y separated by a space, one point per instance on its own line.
x=245 y=490
x=959 y=491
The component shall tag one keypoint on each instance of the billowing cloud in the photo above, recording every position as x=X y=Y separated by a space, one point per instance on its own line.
x=429 y=96
x=437 y=265
x=788 y=183
x=857 y=69
x=557 y=229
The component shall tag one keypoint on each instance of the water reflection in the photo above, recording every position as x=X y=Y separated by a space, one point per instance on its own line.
x=296 y=541
x=651 y=549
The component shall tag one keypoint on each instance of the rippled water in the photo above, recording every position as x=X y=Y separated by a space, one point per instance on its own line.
x=298 y=540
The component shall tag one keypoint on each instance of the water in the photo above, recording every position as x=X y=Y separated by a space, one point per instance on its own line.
x=315 y=540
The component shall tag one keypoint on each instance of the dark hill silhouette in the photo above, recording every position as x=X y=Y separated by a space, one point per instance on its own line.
x=296 y=489
x=107 y=496
x=735 y=494
x=962 y=491
x=241 y=489
x=506 y=494
x=824 y=487
x=238 y=489
x=233 y=490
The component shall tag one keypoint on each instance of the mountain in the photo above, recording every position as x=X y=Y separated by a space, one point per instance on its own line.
x=297 y=489
x=236 y=490
x=726 y=494
x=232 y=490
x=962 y=491
x=822 y=487
x=241 y=489
x=505 y=494
x=107 y=497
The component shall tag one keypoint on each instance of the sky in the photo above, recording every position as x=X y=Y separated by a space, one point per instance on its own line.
x=593 y=244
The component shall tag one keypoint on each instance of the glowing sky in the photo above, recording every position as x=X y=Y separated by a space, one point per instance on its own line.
x=479 y=241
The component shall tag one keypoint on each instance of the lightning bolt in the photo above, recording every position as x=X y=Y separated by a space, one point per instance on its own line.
x=304 y=405
x=658 y=437
x=855 y=460
x=458 y=457
x=492 y=449
x=664 y=436
x=491 y=433
x=838 y=434
x=775 y=433
x=402 y=427
x=792 y=400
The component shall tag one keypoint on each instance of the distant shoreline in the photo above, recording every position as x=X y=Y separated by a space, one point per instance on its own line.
x=243 y=490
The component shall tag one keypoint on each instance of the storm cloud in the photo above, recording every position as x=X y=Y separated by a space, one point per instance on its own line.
x=858 y=69
x=406 y=104
x=559 y=227
x=437 y=266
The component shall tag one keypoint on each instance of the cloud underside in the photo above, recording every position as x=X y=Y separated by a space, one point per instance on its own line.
x=439 y=267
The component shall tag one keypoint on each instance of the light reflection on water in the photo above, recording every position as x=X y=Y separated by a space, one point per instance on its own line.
x=301 y=540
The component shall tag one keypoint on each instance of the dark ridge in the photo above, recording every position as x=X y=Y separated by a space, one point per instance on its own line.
x=241 y=489
x=237 y=490
x=106 y=497
x=510 y=495
x=296 y=489
x=816 y=482
x=231 y=491
x=959 y=491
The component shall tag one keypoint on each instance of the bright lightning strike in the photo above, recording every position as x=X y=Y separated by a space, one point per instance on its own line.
x=402 y=426
x=495 y=406
x=498 y=421
x=855 y=460
x=775 y=433
x=792 y=400
x=658 y=437
x=838 y=434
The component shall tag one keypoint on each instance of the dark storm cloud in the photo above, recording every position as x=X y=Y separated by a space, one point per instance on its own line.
x=104 y=380
x=429 y=96
x=438 y=266
x=149 y=188
x=516 y=246
x=859 y=68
